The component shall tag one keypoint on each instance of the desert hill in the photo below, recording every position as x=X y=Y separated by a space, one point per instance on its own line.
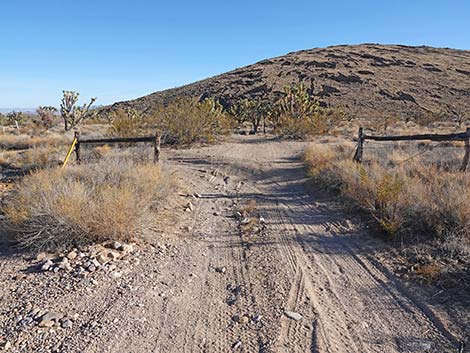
x=367 y=80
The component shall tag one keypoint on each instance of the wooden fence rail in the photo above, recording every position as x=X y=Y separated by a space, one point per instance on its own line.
x=461 y=136
x=155 y=140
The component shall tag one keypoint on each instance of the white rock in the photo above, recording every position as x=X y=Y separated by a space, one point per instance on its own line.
x=47 y=265
x=293 y=315
x=115 y=274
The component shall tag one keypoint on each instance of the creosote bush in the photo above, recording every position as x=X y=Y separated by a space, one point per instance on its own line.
x=187 y=120
x=110 y=200
x=126 y=123
x=406 y=200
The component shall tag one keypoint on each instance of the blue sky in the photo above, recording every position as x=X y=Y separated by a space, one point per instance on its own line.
x=118 y=50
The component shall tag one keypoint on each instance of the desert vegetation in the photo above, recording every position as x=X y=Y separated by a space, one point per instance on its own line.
x=411 y=194
x=112 y=199
x=188 y=120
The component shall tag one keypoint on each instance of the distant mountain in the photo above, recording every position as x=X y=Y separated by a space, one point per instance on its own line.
x=367 y=80
x=24 y=110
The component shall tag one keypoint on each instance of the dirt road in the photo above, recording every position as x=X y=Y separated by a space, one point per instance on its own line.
x=218 y=289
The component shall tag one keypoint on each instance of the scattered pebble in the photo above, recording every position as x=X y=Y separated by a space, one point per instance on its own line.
x=115 y=274
x=221 y=269
x=293 y=315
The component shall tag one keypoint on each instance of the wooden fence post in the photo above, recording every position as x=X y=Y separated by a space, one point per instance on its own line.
x=156 y=152
x=360 y=146
x=77 y=147
x=466 y=158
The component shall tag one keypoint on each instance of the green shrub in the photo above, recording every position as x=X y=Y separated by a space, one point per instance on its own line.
x=187 y=121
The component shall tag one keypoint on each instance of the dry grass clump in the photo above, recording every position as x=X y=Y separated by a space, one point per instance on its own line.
x=33 y=158
x=59 y=208
x=407 y=199
x=22 y=142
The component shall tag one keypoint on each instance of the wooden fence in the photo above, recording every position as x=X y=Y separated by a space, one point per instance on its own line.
x=78 y=142
x=462 y=136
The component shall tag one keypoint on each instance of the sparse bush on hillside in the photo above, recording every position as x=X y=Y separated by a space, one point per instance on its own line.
x=73 y=114
x=405 y=199
x=125 y=123
x=186 y=121
x=298 y=114
x=110 y=200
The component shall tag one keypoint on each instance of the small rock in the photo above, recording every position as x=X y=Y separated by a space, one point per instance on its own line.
x=221 y=269
x=127 y=248
x=102 y=259
x=115 y=274
x=51 y=316
x=197 y=195
x=6 y=345
x=91 y=268
x=262 y=220
x=113 y=255
x=116 y=245
x=47 y=264
x=46 y=323
x=65 y=265
x=72 y=255
x=237 y=345
x=240 y=319
x=66 y=323
x=293 y=315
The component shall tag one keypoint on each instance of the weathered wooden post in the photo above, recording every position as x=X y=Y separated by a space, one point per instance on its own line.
x=156 y=152
x=466 y=157
x=360 y=146
x=77 y=147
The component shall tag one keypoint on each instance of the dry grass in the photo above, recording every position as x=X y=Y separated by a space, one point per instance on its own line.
x=59 y=208
x=22 y=142
x=33 y=158
x=407 y=197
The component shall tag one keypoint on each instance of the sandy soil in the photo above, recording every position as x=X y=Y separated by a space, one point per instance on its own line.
x=218 y=289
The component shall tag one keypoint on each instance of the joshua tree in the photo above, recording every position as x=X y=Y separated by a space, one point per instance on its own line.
x=15 y=118
x=71 y=113
x=250 y=110
x=46 y=116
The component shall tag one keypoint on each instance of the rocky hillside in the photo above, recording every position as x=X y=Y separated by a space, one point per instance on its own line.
x=367 y=80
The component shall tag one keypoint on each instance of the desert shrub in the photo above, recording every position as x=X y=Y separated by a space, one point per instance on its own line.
x=405 y=199
x=297 y=114
x=46 y=116
x=125 y=123
x=187 y=120
x=59 y=208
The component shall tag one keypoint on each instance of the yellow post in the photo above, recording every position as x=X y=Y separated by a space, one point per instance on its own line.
x=74 y=142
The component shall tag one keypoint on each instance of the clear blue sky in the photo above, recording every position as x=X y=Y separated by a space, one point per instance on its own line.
x=117 y=50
